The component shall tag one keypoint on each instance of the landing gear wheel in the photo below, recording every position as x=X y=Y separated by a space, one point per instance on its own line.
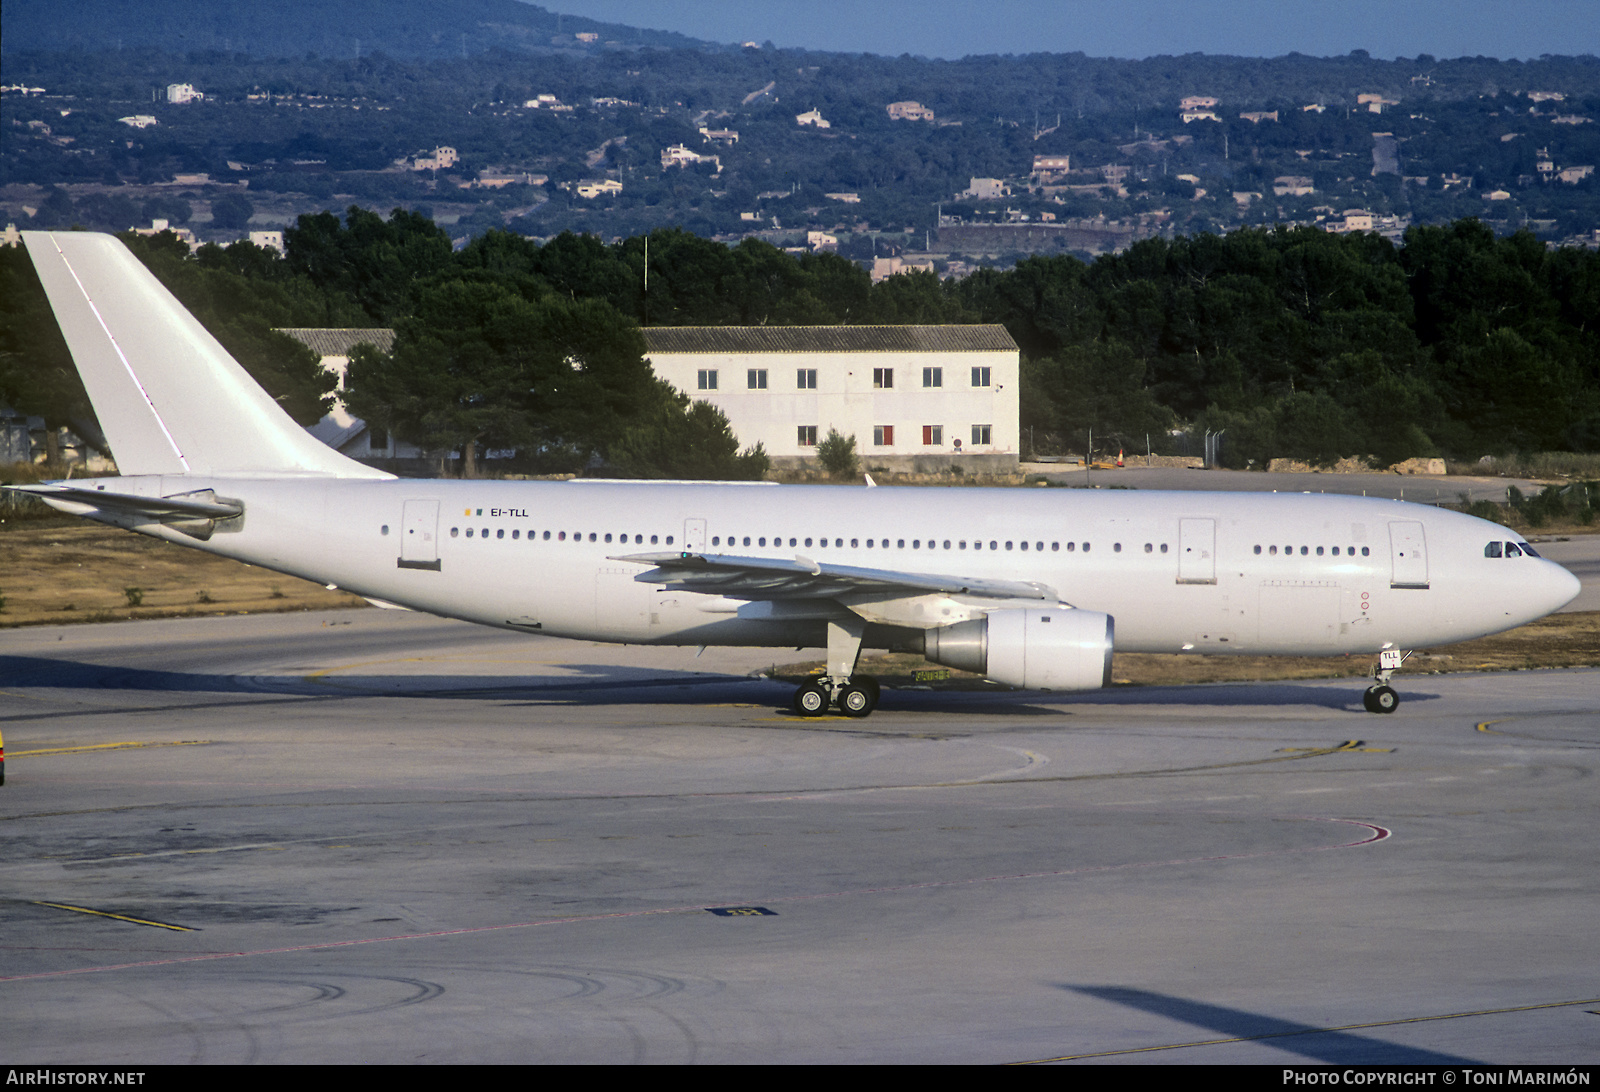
x=1381 y=699
x=869 y=683
x=857 y=700
x=811 y=700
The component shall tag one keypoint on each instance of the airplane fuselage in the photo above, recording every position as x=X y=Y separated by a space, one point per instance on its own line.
x=1217 y=573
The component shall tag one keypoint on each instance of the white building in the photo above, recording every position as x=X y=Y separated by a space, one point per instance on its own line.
x=139 y=121
x=269 y=240
x=986 y=189
x=596 y=188
x=914 y=397
x=813 y=117
x=183 y=92
x=442 y=159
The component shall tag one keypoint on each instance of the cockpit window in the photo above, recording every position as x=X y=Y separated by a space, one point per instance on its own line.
x=1529 y=550
x=1511 y=550
x=1492 y=550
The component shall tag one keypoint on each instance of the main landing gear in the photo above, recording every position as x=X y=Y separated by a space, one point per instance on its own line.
x=858 y=697
x=1380 y=696
x=855 y=695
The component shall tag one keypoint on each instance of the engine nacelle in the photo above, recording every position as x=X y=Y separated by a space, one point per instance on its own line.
x=1035 y=648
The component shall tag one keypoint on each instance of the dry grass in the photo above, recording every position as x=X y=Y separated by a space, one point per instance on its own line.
x=1561 y=640
x=89 y=573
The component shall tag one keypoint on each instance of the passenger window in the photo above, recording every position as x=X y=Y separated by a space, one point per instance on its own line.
x=454 y=532
x=1147 y=549
x=652 y=539
x=1365 y=551
x=1024 y=545
x=469 y=532
x=716 y=541
x=1163 y=547
x=1116 y=547
x=608 y=538
x=547 y=536
x=946 y=544
x=1319 y=551
x=1072 y=547
x=669 y=539
x=1336 y=551
x=501 y=533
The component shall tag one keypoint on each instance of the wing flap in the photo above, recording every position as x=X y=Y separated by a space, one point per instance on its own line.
x=758 y=578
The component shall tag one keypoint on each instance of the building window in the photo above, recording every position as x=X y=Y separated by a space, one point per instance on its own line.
x=933 y=377
x=805 y=379
x=883 y=378
x=980 y=433
x=883 y=435
x=756 y=379
x=808 y=436
x=708 y=379
x=980 y=378
x=933 y=435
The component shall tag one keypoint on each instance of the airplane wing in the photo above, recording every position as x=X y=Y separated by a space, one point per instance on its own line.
x=760 y=578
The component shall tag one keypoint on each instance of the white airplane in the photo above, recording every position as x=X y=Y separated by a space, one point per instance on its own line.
x=1019 y=585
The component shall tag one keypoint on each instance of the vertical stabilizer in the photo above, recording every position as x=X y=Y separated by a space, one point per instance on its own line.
x=170 y=398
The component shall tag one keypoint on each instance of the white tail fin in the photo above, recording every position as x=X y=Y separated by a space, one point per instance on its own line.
x=170 y=398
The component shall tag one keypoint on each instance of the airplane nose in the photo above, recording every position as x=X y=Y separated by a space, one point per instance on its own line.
x=1558 y=586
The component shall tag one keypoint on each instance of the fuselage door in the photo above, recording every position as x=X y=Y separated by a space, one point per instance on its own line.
x=1408 y=550
x=419 y=535
x=1197 y=551
x=694 y=534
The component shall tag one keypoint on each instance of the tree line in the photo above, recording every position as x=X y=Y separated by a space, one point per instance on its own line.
x=1296 y=342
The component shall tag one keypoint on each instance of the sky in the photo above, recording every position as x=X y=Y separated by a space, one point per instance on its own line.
x=1126 y=28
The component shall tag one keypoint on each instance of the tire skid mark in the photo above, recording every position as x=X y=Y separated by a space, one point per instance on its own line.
x=1374 y=835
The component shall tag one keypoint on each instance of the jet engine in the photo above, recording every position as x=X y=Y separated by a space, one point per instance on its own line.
x=1035 y=648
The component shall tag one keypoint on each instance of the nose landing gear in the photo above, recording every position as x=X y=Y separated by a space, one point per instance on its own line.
x=1380 y=696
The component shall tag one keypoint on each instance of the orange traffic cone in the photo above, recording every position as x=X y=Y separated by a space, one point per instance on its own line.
x=1119 y=456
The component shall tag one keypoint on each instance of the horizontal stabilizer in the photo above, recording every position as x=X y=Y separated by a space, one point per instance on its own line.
x=170 y=399
x=203 y=505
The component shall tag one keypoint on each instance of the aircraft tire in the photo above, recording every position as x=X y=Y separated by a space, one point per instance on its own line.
x=811 y=700
x=869 y=683
x=857 y=700
x=1384 y=699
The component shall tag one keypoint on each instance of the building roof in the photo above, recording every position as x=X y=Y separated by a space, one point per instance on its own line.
x=827 y=339
x=339 y=342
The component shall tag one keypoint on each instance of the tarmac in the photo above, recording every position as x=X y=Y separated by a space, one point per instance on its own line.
x=377 y=836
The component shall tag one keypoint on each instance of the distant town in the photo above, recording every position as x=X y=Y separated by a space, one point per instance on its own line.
x=895 y=164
